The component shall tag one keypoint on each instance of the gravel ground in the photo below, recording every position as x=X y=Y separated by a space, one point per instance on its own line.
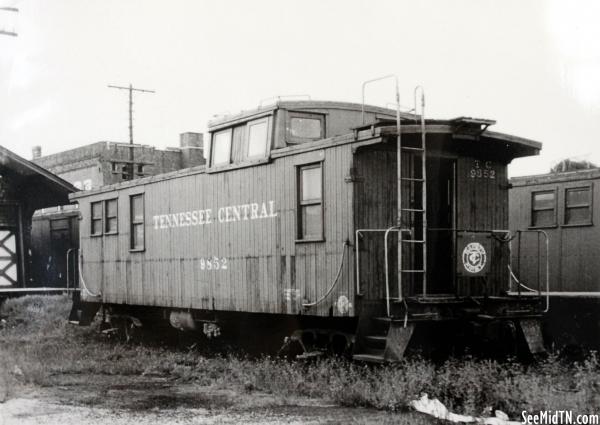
x=116 y=400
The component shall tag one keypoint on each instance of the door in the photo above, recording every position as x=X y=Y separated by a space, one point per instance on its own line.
x=441 y=174
x=60 y=240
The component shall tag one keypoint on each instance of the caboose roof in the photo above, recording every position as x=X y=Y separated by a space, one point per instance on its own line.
x=301 y=105
x=569 y=176
x=471 y=134
x=465 y=130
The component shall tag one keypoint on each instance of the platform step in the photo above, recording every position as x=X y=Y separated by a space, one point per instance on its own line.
x=368 y=358
x=378 y=340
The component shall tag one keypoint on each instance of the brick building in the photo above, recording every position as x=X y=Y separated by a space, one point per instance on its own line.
x=55 y=230
x=103 y=163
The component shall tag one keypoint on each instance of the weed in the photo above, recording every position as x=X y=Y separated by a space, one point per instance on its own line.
x=36 y=341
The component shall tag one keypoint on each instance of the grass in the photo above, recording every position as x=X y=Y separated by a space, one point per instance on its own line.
x=37 y=344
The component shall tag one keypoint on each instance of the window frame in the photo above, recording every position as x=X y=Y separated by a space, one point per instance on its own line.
x=95 y=219
x=213 y=145
x=246 y=156
x=589 y=205
x=300 y=204
x=106 y=217
x=133 y=223
x=295 y=140
x=532 y=209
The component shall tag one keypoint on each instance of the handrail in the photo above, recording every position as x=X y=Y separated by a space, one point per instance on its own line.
x=68 y=255
x=510 y=235
x=357 y=256
x=337 y=276
x=424 y=184
x=547 y=244
x=387 y=272
x=82 y=280
x=398 y=164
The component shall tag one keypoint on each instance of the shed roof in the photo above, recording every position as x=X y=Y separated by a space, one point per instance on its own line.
x=43 y=188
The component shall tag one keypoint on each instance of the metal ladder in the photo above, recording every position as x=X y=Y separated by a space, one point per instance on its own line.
x=417 y=215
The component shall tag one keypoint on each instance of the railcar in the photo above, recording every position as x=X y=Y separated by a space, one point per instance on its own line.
x=54 y=244
x=566 y=207
x=355 y=225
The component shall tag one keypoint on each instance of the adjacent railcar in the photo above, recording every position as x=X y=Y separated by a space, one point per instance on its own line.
x=304 y=212
x=566 y=206
x=54 y=245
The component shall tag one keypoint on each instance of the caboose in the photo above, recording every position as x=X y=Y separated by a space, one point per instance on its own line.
x=358 y=226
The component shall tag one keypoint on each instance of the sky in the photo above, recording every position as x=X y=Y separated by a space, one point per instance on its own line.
x=533 y=66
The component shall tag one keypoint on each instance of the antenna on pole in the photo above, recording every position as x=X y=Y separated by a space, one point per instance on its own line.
x=13 y=10
x=131 y=89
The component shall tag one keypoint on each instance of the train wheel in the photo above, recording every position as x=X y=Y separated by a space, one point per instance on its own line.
x=305 y=344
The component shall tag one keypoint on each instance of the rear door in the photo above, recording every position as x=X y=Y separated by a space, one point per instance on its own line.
x=440 y=223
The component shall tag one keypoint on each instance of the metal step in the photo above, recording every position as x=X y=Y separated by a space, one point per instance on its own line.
x=408 y=148
x=389 y=320
x=368 y=358
x=412 y=241
x=413 y=210
x=378 y=340
x=410 y=179
x=412 y=271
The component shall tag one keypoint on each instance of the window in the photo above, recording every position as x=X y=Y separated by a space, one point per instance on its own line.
x=578 y=205
x=110 y=216
x=543 y=208
x=310 y=202
x=96 y=218
x=104 y=217
x=239 y=144
x=60 y=230
x=127 y=172
x=257 y=138
x=305 y=127
x=137 y=222
x=221 y=148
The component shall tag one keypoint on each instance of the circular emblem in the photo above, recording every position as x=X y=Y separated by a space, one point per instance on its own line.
x=474 y=257
x=343 y=304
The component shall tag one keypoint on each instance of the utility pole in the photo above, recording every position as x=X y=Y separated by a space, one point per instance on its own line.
x=131 y=90
x=13 y=10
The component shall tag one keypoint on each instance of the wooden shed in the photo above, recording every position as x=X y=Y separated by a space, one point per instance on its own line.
x=291 y=195
x=24 y=188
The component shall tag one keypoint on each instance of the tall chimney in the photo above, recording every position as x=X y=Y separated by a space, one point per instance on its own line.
x=36 y=152
x=192 y=149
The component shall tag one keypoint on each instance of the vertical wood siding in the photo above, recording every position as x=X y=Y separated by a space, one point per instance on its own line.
x=573 y=249
x=264 y=260
x=481 y=204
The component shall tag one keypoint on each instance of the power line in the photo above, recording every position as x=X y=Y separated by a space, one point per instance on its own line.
x=131 y=89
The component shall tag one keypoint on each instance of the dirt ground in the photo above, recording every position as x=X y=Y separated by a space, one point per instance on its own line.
x=115 y=400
